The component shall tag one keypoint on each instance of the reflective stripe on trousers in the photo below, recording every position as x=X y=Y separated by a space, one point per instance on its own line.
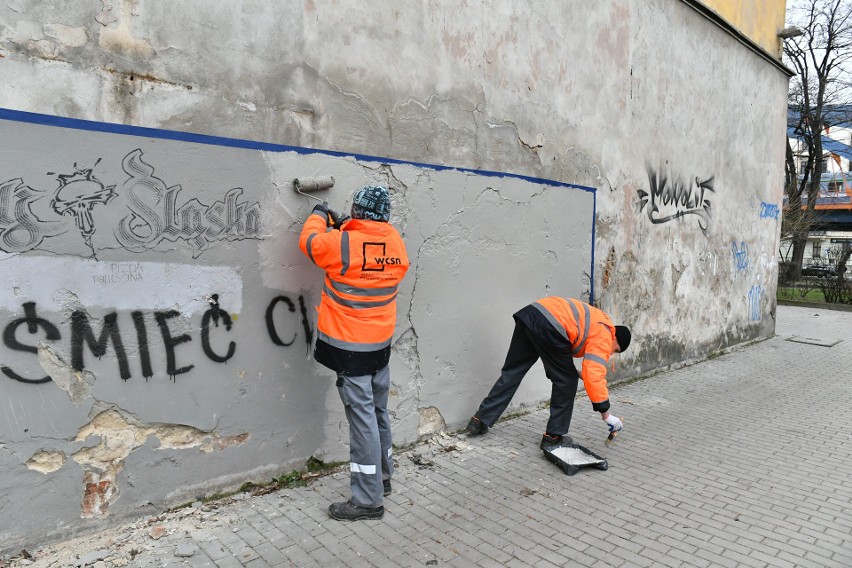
x=365 y=399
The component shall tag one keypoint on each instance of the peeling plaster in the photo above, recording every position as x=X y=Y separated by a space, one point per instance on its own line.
x=106 y=17
x=43 y=48
x=66 y=35
x=120 y=434
x=76 y=384
x=609 y=268
x=431 y=422
x=119 y=40
x=406 y=348
x=46 y=462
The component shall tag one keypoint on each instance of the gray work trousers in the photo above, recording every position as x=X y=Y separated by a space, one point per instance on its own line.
x=524 y=350
x=365 y=398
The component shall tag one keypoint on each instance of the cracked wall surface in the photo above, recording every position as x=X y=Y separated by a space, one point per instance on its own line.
x=173 y=314
x=154 y=305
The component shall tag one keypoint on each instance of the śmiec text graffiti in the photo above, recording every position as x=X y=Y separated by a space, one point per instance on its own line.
x=116 y=334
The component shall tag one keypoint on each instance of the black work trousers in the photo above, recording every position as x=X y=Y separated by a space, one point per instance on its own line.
x=525 y=349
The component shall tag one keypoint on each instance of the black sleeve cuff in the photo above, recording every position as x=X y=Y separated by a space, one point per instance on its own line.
x=601 y=406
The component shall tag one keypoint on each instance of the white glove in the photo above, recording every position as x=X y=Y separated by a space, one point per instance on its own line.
x=614 y=423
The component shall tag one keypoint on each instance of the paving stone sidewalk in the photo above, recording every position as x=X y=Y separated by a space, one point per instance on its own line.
x=741 y=460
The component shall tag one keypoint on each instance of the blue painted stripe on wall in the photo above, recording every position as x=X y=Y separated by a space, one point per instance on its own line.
x=113 y=128
x=592 y=261
x=79 y=124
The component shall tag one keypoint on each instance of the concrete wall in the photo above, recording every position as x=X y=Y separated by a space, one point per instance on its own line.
x=676 y=126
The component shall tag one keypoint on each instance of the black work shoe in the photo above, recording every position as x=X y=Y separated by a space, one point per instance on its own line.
x=388 y=489
x=347 y=511
x=476 y=427
x=554 y=440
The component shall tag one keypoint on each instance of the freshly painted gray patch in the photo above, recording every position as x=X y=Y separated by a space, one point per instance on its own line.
x=157 y=314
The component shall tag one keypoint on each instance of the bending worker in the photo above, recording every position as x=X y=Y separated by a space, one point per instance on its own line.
x=364 y=262
x=557 y=330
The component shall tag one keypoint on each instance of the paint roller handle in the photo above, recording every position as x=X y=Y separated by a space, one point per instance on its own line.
x=333 y=219
x=322 y=210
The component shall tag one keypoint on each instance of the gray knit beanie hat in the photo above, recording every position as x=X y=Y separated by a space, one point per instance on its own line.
x=371 y=202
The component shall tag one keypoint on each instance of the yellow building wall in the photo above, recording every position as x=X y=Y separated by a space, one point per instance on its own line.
x=760 y=20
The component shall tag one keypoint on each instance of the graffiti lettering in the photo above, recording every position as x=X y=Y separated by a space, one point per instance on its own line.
x=214 y=313
x=740 y=256
x=754 y=295
x=155 y=216
x=120 y=273
x=171 y=342
x=142 y=339
x=83 y=336
x=270 y=320
x=769 y=211
x=20 y=229
x=291 y=307
x=81 y=331
x=154 y=212
x=116 y=278
x=33 y=323
x=309 y=336
x=668 y=200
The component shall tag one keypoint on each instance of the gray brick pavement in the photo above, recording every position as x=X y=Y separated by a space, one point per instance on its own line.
x=741 y=460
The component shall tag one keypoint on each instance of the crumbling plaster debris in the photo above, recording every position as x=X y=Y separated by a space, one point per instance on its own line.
x=185 y=549
x=431 y=422
x=148 y=540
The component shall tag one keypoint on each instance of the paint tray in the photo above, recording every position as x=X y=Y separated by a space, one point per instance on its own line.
x=570 y=458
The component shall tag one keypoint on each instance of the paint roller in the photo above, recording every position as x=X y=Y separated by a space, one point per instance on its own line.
x=305 y=184
x=301 y=185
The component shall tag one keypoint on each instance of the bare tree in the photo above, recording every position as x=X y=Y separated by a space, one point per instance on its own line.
x=818 y=56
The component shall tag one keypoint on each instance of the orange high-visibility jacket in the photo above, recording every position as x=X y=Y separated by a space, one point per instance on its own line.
x=364 y=263
x=591 y=334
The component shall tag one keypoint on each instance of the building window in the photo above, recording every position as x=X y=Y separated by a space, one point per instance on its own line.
x=835 y=187
x=816 y=251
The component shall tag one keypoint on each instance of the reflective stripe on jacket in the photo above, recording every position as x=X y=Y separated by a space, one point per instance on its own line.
x=364 y=263
x=591 y=335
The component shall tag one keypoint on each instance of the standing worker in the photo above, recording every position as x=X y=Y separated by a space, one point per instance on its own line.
x=557 y=330
x=364 y=262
